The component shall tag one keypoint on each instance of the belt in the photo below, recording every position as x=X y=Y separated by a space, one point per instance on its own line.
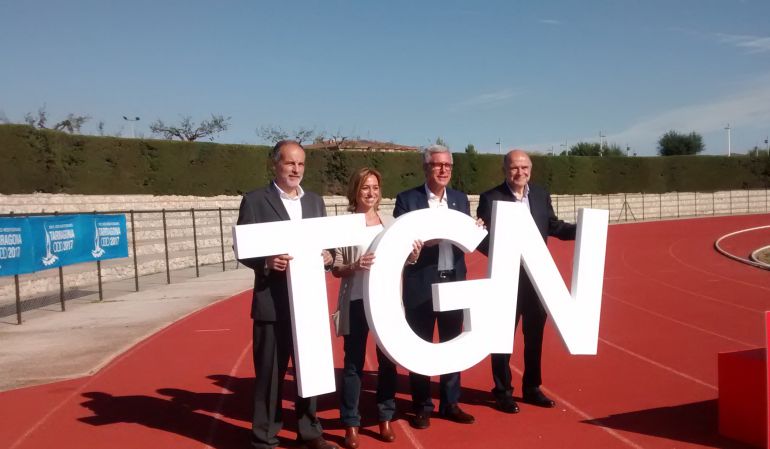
x=446 y=274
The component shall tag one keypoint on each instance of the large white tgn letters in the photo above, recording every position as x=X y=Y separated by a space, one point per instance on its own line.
x=304 y=240
x=489 y=305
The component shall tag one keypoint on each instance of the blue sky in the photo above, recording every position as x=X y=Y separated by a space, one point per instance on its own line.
x=535 y=75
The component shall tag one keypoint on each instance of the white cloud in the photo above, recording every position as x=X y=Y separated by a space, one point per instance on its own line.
x=550 y=22
x=754 y=44
x=748 y=108
x=486 y=100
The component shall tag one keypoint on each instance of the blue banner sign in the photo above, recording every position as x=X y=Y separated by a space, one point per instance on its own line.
x=15 y=246
x=110 y=241
x=39 y=243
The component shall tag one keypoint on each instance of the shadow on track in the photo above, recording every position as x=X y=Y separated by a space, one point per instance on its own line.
x=690 y=423
x=207 y=416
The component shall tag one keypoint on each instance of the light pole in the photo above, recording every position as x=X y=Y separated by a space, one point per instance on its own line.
x=132 y=121
x=564 y=145
x=499 y=146
x=601 y=143
x=729 y=144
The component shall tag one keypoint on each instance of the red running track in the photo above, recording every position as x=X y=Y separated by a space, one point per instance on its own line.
x=671 y=303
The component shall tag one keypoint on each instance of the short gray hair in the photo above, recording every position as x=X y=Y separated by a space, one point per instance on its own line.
x=432 y=149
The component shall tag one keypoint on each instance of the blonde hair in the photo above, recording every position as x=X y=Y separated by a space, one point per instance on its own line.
x=354 y=186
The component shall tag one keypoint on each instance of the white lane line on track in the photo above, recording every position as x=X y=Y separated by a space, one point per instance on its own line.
x=88 y=382
x=45 y=417
x=212 y=330
x=658 y=364
x=682 y=323
x=614 y=433
x=405 y=429
x=223 y=397
x=688 y=292
x=725 y=278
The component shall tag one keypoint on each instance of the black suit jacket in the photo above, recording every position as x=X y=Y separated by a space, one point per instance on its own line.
x=419 y=278
x=539 y=206
x=270 y=301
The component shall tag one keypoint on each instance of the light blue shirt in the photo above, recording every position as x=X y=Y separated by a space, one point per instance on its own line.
x=524 y=199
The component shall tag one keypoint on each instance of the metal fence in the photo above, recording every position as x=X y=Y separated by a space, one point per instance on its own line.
x=174 y=244
x=624 y=207
x=163 y=245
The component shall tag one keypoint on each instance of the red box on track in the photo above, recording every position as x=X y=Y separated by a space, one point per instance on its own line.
x=743 y=400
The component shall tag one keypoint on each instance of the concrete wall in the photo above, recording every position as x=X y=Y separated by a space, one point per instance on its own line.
x=214 y=236
x=640 y=206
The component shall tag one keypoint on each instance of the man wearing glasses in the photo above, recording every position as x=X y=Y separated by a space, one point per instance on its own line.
x=439 y=261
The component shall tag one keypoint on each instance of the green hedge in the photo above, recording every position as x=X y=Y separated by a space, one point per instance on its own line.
x=49 y=161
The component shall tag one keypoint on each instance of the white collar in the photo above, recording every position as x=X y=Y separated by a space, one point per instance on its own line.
x=526 y=190
x=285 y=196
x=434 y=197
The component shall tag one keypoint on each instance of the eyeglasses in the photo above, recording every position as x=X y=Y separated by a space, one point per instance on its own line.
x=439 y=165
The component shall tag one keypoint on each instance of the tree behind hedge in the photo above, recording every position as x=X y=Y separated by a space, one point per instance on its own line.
x=675 y=144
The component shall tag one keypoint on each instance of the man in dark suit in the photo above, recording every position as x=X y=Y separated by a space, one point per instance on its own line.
x=282 y=199
x=517 y=168
x=439 y=261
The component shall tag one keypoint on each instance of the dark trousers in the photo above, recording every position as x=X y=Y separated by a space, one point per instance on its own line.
x=532 y=315
x=353 y=370
x=273 y=345
x=422 y=319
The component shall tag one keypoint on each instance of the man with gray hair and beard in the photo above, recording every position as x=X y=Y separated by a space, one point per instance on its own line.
x=282 y=199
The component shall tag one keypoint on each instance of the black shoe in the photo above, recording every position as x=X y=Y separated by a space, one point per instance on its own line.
x=420 y=420
x=506 y=404
x=456 y=414
x=536 y=397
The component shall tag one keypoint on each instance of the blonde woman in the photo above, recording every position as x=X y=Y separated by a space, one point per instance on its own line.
x=350 y=264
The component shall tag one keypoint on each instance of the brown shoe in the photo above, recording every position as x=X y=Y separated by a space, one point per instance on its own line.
x=386 y=432
x=351 y=438
x=320 y=443
x=456 y=414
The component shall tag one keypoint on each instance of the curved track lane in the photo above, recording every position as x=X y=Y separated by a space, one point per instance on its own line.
x=671 y=303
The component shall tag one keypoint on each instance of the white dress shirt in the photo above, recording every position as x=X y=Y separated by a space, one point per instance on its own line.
x=293 y=205
x=445 y=254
